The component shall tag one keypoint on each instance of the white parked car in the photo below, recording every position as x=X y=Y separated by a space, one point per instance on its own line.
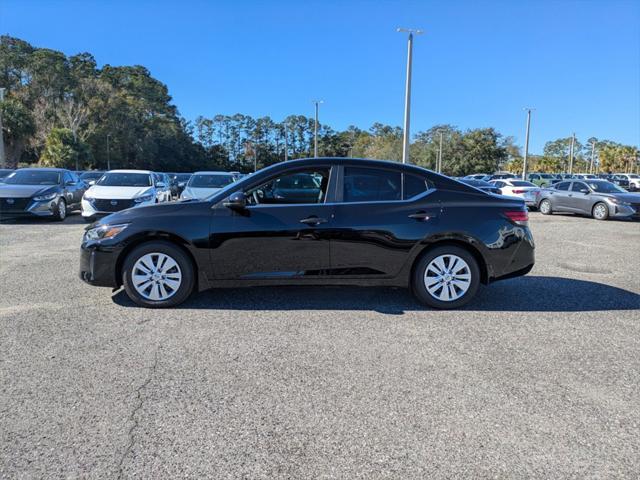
x=634 y=180
x=204 y=184
x=117 y=190
x=518 y=188
x=163 y=186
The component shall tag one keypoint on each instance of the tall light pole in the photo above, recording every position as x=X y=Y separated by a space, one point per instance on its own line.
x=286 y=144
x=573 y=141
x=526 y=144
x=407 y=92
x=440 y=154
x=593 y=154
x=108 y=152
x=315 y=130
x=3 y=158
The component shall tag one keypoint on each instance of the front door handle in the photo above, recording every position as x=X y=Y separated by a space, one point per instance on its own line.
x=424 y=216
x=313 y=220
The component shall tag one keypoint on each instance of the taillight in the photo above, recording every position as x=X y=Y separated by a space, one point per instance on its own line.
x=518 y=191
x=521 y=217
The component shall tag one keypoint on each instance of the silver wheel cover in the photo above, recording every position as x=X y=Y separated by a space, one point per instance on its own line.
x=545 y=206
x=62 y=209
x=447 y=278
x=600 y=211
x=156 y=276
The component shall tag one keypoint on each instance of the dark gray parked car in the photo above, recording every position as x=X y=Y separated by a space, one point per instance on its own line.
x=599 y=198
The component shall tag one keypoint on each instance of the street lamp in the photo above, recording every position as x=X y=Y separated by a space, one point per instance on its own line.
x=593 y=154
x=573 y=141
x=440 y=153
x=407 y=93
x=3 y=160
x=315 y=130
x=526 y=144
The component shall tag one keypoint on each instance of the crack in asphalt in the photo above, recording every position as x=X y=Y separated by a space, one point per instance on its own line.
x=132 y=418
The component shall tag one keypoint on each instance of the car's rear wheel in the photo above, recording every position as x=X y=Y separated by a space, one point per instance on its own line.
x=545 y=207
x=600 y=211
x=60 y=212
x=446 y=277
x=158 y=274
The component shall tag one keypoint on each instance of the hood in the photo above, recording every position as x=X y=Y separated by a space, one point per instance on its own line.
x=625 y=197
x=131 y=214
x=24 y=191
x=121 y=193
x=200 y=192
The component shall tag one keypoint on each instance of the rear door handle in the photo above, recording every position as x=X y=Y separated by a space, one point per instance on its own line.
x=421 y=216
x=313 y=220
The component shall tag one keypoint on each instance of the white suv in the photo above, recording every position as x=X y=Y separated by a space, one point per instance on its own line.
x=117 y=190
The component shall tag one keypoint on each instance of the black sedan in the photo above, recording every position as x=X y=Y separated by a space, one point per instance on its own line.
x=361 y=222
x=41 y=192
x=482 y=185
x=600 y=199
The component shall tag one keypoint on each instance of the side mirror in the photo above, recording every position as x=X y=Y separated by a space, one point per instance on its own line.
x=236 y=201
x=70 y=183
x=92 y=182
x=161 y=184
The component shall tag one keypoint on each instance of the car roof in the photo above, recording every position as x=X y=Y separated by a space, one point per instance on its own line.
x=45 y=169
x=148 y=172
x=212 y=173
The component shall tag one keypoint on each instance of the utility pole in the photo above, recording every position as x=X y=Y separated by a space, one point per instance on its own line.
x=593 y=154
x=407 y=93
x=3 y=158
x=573 y=140
x=526 y=145
x=440 y=154
x=315 y=130
x=286 y=144
x=108 y=153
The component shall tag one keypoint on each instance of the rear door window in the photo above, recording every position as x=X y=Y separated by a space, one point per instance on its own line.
x=371 y=185
x=414 y=185
x=563 y=186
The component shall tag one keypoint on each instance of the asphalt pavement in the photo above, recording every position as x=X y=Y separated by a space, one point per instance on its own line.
x=539 y=377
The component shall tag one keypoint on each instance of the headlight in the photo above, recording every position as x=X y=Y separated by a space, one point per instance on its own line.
x=104 y=231
x=45 y=197
x=617 y=201
x=144 y=198
x=87 y=196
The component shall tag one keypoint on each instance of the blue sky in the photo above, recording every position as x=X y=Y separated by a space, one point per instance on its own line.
x=478 y=63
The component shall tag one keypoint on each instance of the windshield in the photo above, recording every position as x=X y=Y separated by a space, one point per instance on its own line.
x=33 y=177
x=634 y=176
x=122 y=179
x=545 y=175
x=517 y=183
x=91 y=175
x=182 y=177
x=210 y=181
x=605 y=187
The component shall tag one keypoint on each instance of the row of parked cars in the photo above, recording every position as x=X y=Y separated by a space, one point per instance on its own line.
x=601 y=196
x=53 y=192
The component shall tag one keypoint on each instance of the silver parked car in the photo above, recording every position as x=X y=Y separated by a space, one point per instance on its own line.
x=599 y=198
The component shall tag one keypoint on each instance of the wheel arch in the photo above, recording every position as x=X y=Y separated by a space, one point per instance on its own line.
x=147 y=237
x=458 y=242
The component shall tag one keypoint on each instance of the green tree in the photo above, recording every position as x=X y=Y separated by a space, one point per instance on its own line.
x=61 y=150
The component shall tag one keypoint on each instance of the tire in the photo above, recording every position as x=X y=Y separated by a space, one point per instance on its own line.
x=151 y=292
x=60 y=212
x=600 y=211
x=545 y=207
x=424 y=271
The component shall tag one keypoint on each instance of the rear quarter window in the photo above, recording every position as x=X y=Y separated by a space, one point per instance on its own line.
x=414 y=185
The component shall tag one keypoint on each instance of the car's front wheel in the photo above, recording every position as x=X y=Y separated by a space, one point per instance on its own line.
x=60 y=212
x=446 y=277
x=600 y=211
x=158 y=274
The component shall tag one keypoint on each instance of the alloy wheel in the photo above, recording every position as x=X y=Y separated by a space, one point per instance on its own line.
x=600 y=211
x=62 y=210
x=156 y=276
x=447 y=278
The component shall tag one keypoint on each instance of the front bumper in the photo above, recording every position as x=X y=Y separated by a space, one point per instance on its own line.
x=624 y=211
x=89 y=210
x=45 y=208
x=98 y=265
